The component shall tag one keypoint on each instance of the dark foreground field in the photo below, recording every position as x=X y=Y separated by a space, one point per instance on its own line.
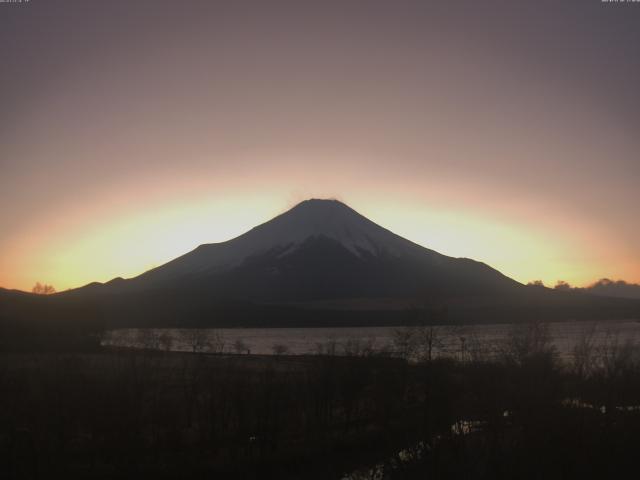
x=143 y=414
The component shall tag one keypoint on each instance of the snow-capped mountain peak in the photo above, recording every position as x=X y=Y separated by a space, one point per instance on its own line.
x=331 y=219
x=309 y=219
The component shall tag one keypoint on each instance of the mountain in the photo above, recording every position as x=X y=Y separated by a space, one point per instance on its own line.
x=614 y=288
x=319 y=264
x=319 y=250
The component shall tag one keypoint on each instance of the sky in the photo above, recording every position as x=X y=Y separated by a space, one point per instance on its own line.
x=503 y=131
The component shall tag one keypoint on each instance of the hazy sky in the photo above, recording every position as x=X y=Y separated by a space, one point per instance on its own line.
x=505 y=131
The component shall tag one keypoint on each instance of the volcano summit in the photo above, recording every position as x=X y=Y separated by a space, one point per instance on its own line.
x=320 y=250
x=320 y=263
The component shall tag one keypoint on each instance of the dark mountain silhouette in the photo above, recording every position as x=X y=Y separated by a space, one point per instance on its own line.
x=615 y=288
x=320 y=263
x=318 y=250
x=606 y=288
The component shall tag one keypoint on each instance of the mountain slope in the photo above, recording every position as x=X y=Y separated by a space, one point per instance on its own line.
x=320 y=249
x=318 y=264
x=284 y=234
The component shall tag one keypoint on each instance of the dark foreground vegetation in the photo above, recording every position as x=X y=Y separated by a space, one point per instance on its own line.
x=151 y=414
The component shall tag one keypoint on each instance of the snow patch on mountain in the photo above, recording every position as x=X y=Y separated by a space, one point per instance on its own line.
x=309 y=219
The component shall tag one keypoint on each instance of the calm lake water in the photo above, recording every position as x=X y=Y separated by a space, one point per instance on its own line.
x=460 y=341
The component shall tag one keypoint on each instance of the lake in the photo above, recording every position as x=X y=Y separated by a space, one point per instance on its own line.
x=467 y=341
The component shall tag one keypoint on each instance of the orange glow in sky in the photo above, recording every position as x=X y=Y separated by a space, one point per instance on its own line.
x=133 y=132
x=134 y=233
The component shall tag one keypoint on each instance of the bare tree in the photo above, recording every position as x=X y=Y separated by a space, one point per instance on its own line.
x=459 y=348
x=584 y=354
x=327 y=347
x=529 y=341
x=616 y=357
x=478 y=349
x=405 y=342
x=359 y=347
x=280 y=349
x=43 y=289
x=430 y=340
x=166 y=340
x=216 y=341
x=617 y=367
x=197 y=339
x=562 y=286
x=418 y=342
x=240 y=347
x=147 y=339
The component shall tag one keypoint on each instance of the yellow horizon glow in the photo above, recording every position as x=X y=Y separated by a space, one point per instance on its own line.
x=469 y=143
x=93 y=245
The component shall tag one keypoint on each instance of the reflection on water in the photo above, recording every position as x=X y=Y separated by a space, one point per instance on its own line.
x=379 y=471
x=481 y=340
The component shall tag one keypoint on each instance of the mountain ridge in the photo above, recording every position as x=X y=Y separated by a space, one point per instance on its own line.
x=320 y=263
x=321 y=228
x=314 y=217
